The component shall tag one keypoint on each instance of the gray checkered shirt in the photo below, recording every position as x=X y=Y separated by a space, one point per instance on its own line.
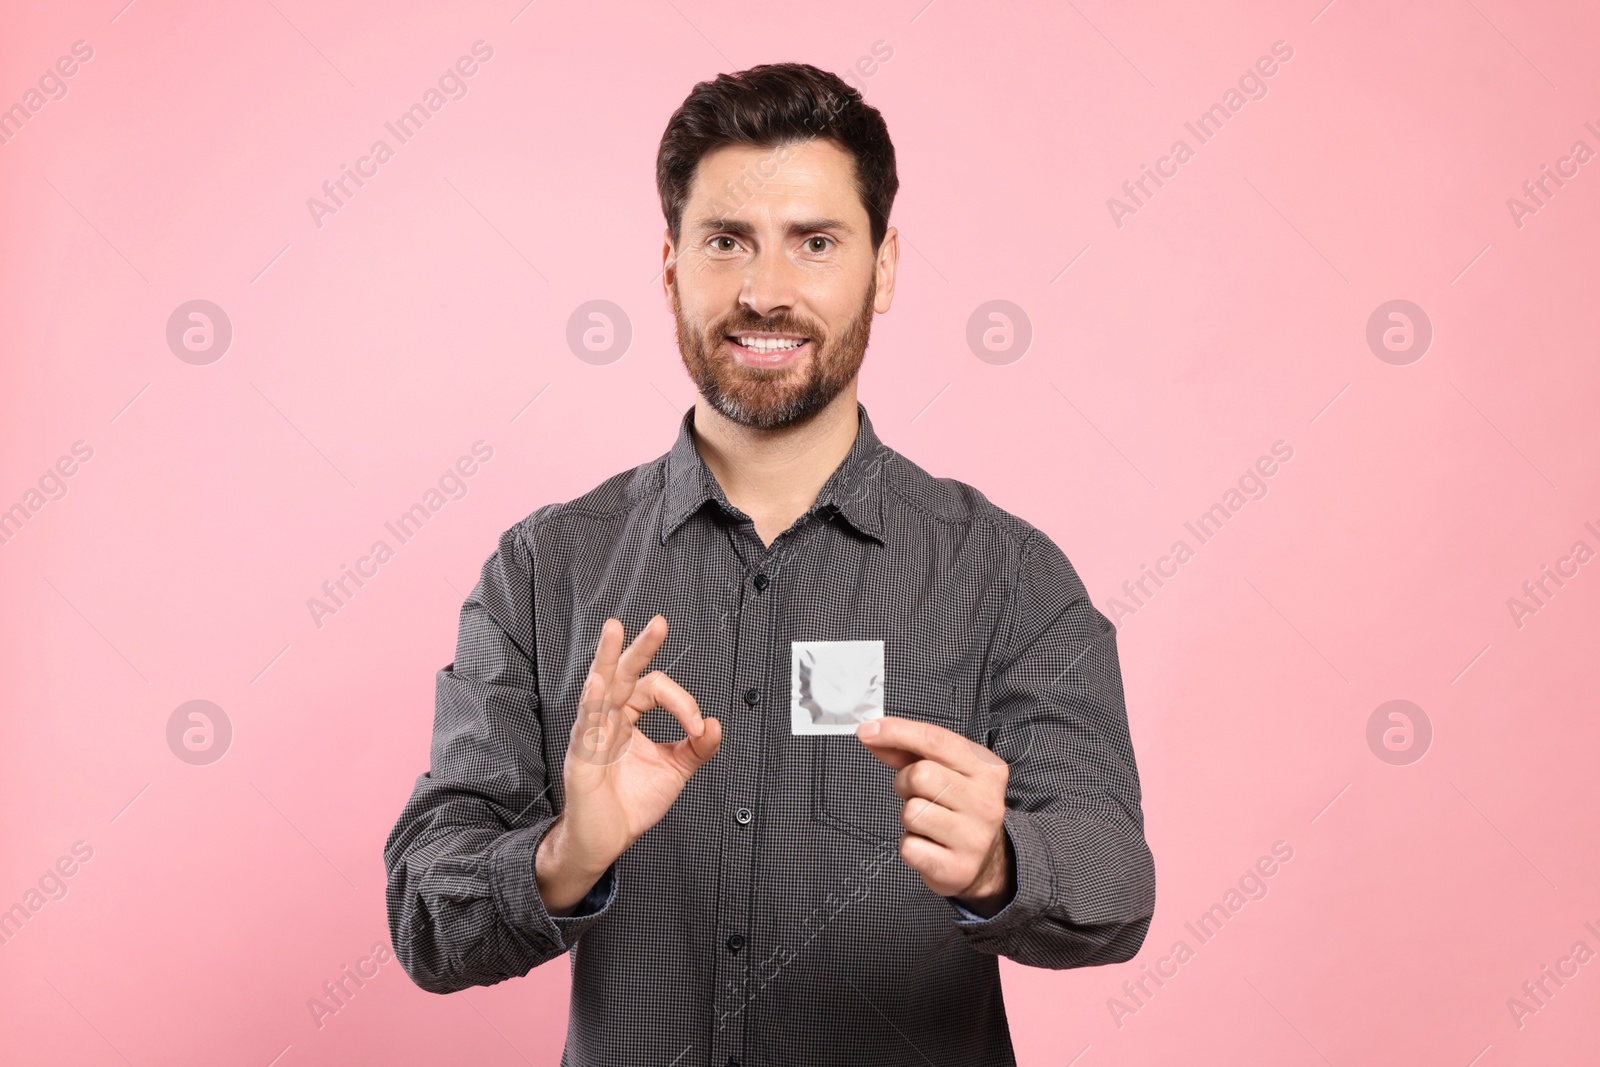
x=768 y=918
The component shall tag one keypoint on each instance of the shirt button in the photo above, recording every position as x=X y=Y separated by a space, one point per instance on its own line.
x=744 y=815
x=761 y=582
x=751 y=696
x=735 y=943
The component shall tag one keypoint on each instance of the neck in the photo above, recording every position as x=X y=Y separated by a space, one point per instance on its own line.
x=774 y=475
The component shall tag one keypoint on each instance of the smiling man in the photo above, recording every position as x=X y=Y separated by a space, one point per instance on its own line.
x=734 y=890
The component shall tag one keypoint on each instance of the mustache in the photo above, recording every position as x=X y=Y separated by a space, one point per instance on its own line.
x=747 y=324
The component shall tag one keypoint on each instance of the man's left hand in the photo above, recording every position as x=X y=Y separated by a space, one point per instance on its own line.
x=955 y=805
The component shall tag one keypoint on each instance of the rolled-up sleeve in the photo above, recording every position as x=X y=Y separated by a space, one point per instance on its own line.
x=1085 y=878
x=463 y=902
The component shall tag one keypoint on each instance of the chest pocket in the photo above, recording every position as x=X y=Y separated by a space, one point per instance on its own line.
x=852 y=790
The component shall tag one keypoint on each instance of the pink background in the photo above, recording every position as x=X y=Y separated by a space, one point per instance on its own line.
x=1227 y=314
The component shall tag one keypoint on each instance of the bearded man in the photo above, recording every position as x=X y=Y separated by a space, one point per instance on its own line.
x=740 y=880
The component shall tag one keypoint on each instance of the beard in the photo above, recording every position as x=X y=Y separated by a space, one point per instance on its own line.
x=765 y=398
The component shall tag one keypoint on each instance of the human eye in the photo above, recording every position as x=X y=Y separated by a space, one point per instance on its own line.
x=812 y=241
x=717 y=245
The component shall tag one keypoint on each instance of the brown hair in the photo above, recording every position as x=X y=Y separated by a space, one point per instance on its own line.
x=772 y=105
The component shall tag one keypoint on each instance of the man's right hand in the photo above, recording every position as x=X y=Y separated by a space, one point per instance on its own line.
x=619 y=782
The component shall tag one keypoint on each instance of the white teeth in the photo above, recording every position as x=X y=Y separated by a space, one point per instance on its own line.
x=766 y=344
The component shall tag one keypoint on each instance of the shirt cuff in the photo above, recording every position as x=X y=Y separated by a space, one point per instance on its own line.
x=1032 y=893
x=514 y=887
x=596 y=900
x=965 y=913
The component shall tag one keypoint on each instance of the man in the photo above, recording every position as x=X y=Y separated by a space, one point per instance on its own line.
x=732 y=890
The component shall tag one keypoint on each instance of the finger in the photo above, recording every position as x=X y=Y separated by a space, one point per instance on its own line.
x=930 y=741
x=658 y=688
x=937 y=823
x=634 y=657
x=599 y=727
x=932 y=781
x=607 y=650
x=599 y=708
x=936 y=863
x=899 y=742
x=894 y=758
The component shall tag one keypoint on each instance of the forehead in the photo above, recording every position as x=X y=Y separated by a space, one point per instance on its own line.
x=803 y=178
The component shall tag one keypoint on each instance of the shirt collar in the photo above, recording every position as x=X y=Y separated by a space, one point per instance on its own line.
x=854 y=490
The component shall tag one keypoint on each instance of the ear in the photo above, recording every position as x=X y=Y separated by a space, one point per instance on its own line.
x=669 y=268
x=887 y=267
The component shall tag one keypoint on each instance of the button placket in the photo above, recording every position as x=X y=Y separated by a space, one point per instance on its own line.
x=750 y=686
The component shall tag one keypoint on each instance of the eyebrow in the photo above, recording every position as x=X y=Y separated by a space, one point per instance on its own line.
x=740 y=228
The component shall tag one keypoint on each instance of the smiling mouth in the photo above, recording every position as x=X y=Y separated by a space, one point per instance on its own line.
x=767 y=350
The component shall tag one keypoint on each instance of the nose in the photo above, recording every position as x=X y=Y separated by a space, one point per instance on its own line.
x=770 y=284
